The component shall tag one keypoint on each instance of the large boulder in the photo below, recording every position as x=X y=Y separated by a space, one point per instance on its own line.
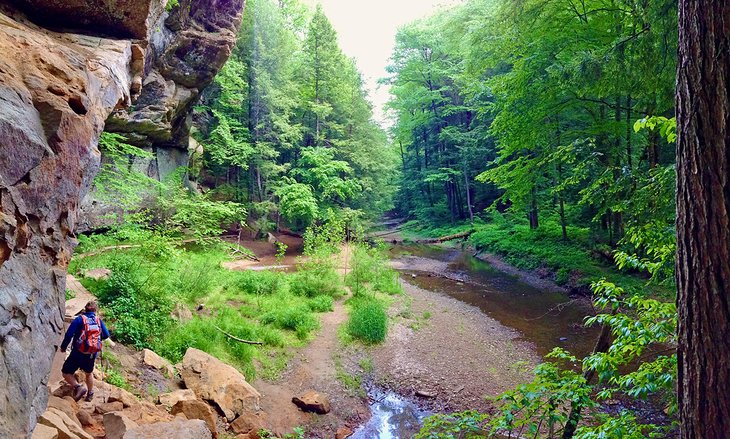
x=67 y=406
x=247 y=423
x=197 y=409
x=179 y=428
x=43 y=432
x=153 y=360
x=215 y=381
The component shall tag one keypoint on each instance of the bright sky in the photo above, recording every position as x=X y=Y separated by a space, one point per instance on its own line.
x=366 y=30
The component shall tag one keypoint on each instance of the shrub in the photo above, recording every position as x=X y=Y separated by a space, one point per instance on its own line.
x=321 y=303
x=316 y=279
x=370 y=269
x=368 y=320
x=262 y=282
x=297 y=319
x=138 y=314
x=201 y=333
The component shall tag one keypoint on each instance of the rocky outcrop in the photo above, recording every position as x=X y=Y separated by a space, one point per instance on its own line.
x=120 y=18
x=57 y=90
x=219 y=383
x=185 y=52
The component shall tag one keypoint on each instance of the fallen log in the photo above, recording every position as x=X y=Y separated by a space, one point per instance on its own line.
x=240 y=340
x=446 y=238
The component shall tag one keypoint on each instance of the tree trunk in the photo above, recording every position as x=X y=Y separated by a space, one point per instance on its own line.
x=703 y=218
x=468 y=194
x=532 y=215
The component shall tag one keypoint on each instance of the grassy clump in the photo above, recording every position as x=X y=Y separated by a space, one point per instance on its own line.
x=315 y=278
x=299 y=319
x=368 y=320
x=321 y=303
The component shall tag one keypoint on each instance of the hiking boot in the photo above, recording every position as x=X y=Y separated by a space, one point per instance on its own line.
x=79 y=392
x=89 y=396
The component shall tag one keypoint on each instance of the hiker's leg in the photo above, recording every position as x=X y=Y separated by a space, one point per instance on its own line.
x=70 y=379
x=90 y=381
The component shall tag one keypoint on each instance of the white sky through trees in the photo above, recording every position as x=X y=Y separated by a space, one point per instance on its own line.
x=366 y=31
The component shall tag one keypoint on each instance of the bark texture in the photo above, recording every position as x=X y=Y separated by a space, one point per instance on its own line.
x=703 y=218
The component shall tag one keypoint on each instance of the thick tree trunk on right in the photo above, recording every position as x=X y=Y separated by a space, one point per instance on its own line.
x=703 y=218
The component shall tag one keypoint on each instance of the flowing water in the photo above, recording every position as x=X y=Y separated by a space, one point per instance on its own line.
x=546 y=318
x=392 y=417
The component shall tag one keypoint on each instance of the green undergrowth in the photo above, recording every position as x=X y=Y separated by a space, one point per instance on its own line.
x=575 y=263
x=158 y=280
x=372 y=282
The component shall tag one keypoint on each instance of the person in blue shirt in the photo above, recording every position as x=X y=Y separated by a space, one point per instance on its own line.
x=87 y=332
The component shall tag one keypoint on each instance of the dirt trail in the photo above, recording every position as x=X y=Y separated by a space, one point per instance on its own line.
x=314 y=367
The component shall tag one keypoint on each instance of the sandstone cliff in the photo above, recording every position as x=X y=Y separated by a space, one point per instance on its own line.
x=63 y=71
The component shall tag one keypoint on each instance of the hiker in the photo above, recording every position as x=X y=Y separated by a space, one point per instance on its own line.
x=87 y=331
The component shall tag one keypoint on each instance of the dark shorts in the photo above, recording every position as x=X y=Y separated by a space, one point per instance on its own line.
x=77 y=361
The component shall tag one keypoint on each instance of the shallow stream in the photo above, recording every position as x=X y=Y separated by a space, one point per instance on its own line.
x=546 y=318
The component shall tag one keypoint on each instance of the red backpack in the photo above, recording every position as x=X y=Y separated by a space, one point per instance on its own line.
x=90 y=339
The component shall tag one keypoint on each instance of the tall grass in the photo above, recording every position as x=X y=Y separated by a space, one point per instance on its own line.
x=368 y=320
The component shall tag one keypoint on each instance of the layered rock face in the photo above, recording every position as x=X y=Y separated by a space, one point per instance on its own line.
x=57 y=90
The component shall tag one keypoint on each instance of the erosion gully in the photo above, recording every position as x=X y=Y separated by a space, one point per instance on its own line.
x=545 y=317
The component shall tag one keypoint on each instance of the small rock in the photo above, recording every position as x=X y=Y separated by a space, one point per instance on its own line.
x=312 y=401
x=197 y=409
x=98 y=273
x=343 y=432
x=247 y=423
x=170 y=399
x=44 y=432
x=425 y=394
x=181 y=313
x=85 y=418
x=563 y=338
x=117 y=425
x=413 y=276
x=106 y=407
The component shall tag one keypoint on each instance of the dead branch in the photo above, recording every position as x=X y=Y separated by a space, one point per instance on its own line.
x=238 y=339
